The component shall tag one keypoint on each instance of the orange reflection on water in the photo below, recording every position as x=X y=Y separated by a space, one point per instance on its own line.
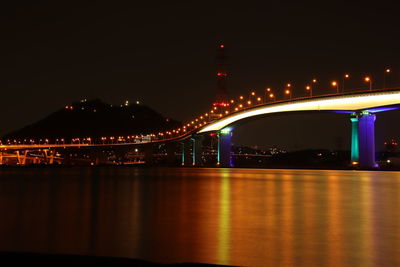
x=224 y=219
x=334 y=221
x=287 y=223
x=245 y=217
x=366 y=240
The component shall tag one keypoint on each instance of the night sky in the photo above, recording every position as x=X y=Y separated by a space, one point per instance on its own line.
x=163 y=54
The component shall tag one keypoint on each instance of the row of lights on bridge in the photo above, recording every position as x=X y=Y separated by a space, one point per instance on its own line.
x=228 y=108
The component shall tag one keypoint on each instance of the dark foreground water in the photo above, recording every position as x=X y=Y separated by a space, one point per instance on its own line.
x=248 y=217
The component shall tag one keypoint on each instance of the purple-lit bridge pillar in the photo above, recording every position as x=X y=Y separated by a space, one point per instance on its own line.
x=363 y=140
x=224 y=148
x=366 y=140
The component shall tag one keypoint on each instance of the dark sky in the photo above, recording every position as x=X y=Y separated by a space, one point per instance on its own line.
x=163 y=54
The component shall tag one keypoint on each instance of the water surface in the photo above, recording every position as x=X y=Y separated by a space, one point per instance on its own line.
x=250 y=217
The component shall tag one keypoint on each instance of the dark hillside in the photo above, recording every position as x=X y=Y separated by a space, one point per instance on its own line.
x=96 y=119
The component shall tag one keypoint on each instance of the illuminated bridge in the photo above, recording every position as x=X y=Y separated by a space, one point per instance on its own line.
x=221 y=121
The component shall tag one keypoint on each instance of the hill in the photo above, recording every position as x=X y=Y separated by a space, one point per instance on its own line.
x=96 y=119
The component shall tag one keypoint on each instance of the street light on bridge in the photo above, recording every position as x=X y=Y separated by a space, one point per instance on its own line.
x=289 y=93
x=309 y=89
x=387 y=71
x=346 y=76
x=272 y=96
x=313 y=85
x=368 y=80
x=335 y=84
x=266 y=92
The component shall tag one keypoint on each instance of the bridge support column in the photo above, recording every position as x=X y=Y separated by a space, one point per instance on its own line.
x=21 y=158
x=363 y=140
x=48 y=156
x=186 y=159
x=148 y=154
x=224 y=148
x=96 y=156
x=366 y=140
x=354 y=140
x=198 y=150
x=170 y=149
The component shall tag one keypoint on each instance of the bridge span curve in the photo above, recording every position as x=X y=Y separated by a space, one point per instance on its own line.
x=370 y=101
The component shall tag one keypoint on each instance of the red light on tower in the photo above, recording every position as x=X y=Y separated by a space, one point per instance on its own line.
x=222 y=46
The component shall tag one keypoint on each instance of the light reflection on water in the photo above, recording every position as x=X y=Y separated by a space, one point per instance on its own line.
x=245 y=217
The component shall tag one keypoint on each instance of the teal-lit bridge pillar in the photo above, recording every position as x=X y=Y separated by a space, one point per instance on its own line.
x=363 y=140
x=198 y=150
x=354 y=140
x=192 y=151
x=224 y=148
x=186 y=159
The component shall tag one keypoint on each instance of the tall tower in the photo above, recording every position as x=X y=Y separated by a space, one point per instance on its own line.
x=222 y=76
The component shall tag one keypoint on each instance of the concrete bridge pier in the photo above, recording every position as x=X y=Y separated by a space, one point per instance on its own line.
x=148 y=154
x=170 y=149
x=198 y=150
x=363 y=140
x=354 y=140
x=186 y=156
x=366 y=140
x=48 y=156
x=224 y=148
x=97 y=156
x=22 y=157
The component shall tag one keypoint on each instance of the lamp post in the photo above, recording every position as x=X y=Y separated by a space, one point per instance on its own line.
x=288 y=90
x=272 y=96
x=314 y=83
x=346 y=76
x=309 y=89
x=267 y=91
x=387 y=72
x=289 y=93
x=335 y=84
x=368 y=80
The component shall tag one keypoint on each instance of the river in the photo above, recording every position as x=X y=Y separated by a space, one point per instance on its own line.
x=248 y=217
